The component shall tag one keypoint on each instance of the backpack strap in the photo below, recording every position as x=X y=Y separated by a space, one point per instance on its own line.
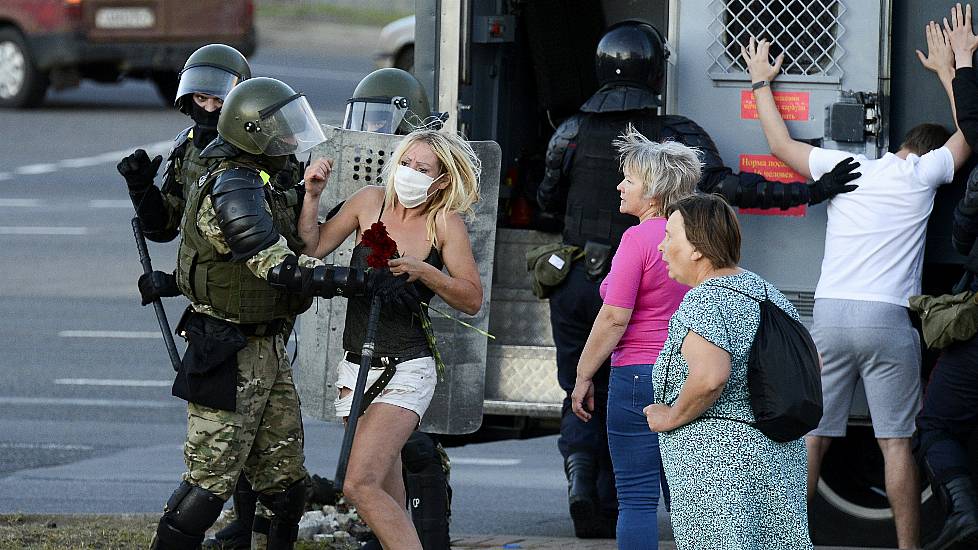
x=740 y=291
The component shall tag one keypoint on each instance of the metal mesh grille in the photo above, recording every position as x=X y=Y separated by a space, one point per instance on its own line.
x=807 y=31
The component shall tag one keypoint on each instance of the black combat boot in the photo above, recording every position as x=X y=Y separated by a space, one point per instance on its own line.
x=237 y=534
x=961 y=523
x=582 y=496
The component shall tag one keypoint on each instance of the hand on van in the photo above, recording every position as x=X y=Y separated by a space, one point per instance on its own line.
x=960 y=36
x=756 y=55
x=940 y=57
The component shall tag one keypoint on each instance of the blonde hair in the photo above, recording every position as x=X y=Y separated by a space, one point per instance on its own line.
x=669 y=170
x=460 y=167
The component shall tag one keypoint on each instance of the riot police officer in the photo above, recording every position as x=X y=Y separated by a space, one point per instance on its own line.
x=207 y=77
x=582 y=172
x=392 y=101
x=949 y=415
x=237 y=261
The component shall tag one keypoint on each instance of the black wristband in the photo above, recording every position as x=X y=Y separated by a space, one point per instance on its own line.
x=759 y=84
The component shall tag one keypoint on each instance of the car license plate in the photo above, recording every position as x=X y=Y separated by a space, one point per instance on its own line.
x=124 y=18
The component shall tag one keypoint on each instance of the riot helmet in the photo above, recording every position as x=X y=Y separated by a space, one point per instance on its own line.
x=265 y=116
x=214 y=70
x=632 y=52
x=388 y=101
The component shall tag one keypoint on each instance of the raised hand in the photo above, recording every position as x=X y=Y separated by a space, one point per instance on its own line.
x=940 y=56
x=138 y=170
x=316 y=175
x=960 y=36
x=756 y=54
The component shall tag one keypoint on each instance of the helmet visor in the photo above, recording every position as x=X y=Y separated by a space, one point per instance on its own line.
x=206 y=79
x=291 y=129
x=369 y=115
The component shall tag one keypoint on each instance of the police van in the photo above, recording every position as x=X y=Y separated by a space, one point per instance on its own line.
x=511 y=71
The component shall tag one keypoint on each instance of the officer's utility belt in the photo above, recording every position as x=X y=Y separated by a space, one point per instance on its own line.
x=263 y=329
x=389 y=364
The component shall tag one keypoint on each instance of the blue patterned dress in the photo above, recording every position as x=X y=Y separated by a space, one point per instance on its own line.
x=732 y=487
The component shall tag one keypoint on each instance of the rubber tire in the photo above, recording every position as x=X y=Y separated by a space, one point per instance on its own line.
x=34 y=84
x=166 y=85
x=405 y=59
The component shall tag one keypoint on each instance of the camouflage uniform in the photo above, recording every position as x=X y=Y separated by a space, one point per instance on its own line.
x=263 y=436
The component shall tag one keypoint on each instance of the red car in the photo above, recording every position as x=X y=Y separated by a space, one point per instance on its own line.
x=56 y=43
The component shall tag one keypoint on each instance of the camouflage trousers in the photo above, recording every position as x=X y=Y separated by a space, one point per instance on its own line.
x=262 y=438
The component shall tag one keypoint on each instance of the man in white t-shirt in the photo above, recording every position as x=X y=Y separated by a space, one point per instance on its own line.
x=874 y=248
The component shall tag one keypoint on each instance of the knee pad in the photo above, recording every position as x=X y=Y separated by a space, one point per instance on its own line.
x=192 y=510
x=288 y=507
x=419 y=452
x=245 y=499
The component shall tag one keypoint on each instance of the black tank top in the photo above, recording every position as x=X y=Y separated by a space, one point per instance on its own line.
x=399 y=334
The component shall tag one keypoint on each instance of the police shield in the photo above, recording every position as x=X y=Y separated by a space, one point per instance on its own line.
x=358 y=158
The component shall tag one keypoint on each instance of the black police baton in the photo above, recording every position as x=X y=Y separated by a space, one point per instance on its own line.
x=366 y=357
x=171 y=347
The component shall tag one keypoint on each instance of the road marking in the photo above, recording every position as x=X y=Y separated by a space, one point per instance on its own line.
x=114 y=382
x=42 y=230
x=73 y=402
x=486 y=461
x=109 y=203
x=127 y=334
x=46 y=446
x=111 y=157
x=20 y=203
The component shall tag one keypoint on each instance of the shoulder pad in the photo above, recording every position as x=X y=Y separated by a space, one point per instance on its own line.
x=569 y=127
x=179 y=142
x=561 y=141
x=239 y=202
x=691 y=134
x=238 y=177
x=219 y=149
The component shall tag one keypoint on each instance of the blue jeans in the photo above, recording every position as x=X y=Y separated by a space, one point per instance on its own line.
x=635 y=457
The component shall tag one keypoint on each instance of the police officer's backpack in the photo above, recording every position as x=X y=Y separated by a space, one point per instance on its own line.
x=783 y=374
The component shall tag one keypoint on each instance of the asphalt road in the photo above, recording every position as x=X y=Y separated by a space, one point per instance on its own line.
x=87 y=423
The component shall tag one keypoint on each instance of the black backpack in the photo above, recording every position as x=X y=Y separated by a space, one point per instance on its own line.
x=783 y=374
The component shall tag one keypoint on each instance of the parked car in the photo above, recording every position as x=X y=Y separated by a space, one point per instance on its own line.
x=56 y=43
x=396 y=45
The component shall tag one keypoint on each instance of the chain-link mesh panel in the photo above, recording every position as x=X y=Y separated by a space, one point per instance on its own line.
x=807 y=31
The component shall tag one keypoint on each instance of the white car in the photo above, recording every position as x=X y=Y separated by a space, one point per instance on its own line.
x=396 y=45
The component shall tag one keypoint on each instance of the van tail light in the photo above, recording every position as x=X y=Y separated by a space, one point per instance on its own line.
x=249 y=10
x=73 y=9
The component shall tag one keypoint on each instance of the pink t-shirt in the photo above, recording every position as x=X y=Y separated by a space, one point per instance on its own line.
x=639 y=280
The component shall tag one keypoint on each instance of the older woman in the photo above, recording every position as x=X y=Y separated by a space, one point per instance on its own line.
x=431 y=181
x=638 y=299
x=732 y=487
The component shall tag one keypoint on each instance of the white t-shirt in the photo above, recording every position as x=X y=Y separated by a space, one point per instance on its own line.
x=874 y=239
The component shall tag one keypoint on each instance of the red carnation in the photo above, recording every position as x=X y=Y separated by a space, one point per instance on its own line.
x=382 y=246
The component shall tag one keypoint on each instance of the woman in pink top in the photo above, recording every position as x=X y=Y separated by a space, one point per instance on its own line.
x=639 y=298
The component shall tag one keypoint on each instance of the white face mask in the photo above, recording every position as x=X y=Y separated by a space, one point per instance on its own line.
x=411 y=186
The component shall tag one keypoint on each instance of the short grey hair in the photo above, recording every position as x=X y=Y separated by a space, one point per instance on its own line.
x=668 y=170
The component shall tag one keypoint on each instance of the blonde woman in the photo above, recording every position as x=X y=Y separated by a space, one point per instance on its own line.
x=431 y=183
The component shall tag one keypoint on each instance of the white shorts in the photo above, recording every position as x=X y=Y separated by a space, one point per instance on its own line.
x=411 y=388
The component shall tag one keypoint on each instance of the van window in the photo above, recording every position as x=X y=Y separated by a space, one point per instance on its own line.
x=807 y=31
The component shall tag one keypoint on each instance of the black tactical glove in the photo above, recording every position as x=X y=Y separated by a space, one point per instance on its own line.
x=394 y=290
x=834 y=182
x=157 y=284
x=139 y=170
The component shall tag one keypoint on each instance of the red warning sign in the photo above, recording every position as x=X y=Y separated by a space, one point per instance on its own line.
x=772 y=169
x=791 y=105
